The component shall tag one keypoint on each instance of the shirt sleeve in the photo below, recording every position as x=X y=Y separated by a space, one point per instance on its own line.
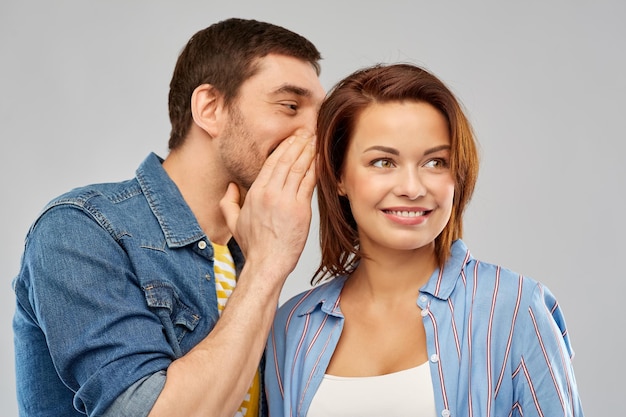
x=84 y=296
x=133 y=401
x=546 y=382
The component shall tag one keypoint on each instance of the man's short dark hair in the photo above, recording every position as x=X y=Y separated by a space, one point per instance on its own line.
x=224 y=55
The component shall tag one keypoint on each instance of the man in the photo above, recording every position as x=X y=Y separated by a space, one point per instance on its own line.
x=121 y=285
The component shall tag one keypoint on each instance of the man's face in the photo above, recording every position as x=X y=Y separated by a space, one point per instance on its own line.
x=281 y=98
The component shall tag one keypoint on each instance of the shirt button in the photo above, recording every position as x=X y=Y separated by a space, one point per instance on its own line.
x=445 y=413
x=434 y=357
x=424 y=312
x=202 y=245
x=423 y=298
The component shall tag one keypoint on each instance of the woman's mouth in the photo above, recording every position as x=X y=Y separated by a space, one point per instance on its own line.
x=407 y=213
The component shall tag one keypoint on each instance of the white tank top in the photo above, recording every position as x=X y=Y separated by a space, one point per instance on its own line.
x=399 y=394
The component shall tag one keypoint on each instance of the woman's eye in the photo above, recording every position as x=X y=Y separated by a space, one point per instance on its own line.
x=436 y=163
x=291 y=106
x=382 y=163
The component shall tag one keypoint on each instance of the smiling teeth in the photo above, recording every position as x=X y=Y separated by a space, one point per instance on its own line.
x=407 y=213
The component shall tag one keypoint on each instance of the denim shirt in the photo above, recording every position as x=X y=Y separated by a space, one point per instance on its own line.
x=116 y=282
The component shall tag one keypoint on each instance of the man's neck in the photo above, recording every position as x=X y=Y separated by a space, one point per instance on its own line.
x=202 y=183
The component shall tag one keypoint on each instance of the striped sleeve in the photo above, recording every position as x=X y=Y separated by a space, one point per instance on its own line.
x=546 y=382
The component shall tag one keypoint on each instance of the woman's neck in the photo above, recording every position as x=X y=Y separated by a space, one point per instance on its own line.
x=393 y=274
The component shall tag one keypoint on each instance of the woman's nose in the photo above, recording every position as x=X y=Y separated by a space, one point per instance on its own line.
x=410 y=184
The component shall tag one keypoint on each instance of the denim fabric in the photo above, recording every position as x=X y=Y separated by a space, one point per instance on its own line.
x=116 y=282
x=133 y=401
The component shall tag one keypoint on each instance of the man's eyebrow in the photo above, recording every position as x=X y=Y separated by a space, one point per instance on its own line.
x=292 y=89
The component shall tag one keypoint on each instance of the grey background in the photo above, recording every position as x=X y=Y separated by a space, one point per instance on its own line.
x=83 y=93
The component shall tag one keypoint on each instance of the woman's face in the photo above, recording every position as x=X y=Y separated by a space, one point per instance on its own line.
x=396 y=175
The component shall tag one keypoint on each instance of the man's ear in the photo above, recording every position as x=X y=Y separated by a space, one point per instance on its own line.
x=207 y=108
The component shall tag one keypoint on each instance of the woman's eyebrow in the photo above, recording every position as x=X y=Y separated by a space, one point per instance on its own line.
x=385 y=149
x=394 y=151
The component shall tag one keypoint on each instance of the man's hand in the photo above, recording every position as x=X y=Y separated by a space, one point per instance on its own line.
x=271 y=228
x=273 y=223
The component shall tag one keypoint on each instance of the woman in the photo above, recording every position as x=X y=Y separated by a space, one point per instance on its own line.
x=405 y=321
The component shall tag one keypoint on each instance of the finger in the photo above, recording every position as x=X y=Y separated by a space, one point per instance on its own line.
x=299 y=169
x=292 y=164
x=277 y=165
x=229 y=204
x=307 y=185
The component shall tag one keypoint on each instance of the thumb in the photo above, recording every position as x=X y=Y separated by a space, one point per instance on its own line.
x=230 y=207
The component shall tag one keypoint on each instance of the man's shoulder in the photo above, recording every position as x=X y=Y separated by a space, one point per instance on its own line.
x=107 y=193
x=112 y=192
x=104 y=203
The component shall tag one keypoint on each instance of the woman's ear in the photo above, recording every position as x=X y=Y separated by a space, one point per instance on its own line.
x=341 y=188
x=207 y=109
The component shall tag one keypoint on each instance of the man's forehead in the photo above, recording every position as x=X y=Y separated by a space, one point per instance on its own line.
x=297 y=90
x=285 y=74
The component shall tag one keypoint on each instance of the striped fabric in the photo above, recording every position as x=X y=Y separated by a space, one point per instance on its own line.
x=497 y=344
x=225 y=282
x=225 y=276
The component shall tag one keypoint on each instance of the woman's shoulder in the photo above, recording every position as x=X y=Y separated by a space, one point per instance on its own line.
x=477 y=270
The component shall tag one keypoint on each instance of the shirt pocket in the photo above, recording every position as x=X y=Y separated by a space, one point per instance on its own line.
x=177 y=318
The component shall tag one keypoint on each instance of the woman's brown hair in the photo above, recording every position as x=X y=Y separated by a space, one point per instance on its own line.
x=337 y=117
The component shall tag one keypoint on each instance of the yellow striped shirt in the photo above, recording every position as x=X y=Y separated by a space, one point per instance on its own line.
x=225 y=282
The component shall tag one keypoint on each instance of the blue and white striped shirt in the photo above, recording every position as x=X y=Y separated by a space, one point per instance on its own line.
x=497 y=344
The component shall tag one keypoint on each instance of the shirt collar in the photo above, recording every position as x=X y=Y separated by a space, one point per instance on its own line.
x=179 y=224
x=326 y=295
x=442 y=282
